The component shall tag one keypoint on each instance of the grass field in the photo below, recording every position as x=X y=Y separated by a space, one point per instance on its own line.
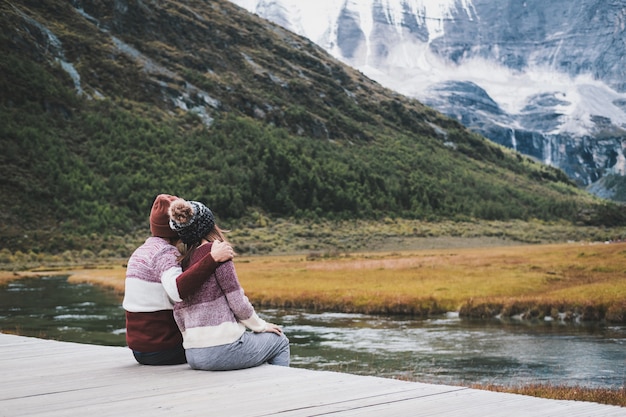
x=562 y=281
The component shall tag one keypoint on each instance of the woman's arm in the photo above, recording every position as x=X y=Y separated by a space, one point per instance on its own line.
x=239 y=304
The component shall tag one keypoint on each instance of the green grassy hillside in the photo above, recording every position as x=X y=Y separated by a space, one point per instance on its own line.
x=103 y=105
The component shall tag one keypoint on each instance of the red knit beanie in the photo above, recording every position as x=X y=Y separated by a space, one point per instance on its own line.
x=160 y=217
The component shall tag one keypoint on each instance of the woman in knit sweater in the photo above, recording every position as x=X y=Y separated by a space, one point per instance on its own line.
x=213 y=321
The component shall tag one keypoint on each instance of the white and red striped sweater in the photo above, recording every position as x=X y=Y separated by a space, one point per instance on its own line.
x=154 y=281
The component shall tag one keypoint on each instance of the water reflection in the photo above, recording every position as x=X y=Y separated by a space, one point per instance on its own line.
x=439 y=350
x=451 y=350
x=52 y=308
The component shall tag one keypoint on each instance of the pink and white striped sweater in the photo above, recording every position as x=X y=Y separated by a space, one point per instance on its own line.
x=219 y=312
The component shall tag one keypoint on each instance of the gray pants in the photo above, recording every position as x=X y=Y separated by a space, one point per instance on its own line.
x=251 y=349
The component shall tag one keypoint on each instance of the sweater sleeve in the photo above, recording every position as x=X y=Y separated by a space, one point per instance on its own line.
x=237 y=301
x=194 y=276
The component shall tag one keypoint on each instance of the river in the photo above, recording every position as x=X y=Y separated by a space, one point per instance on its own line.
x=445 y=349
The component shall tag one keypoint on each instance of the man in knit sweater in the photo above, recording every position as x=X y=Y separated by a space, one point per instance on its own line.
x=153 y=271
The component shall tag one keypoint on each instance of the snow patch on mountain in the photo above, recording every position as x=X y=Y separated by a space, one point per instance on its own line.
x=315 y=20
x=577 y=99
x=410 y=67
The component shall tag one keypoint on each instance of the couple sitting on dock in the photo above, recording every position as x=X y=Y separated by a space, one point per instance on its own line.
x=187 y=306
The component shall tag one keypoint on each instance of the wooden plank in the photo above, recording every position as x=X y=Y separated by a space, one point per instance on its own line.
x=49 y=378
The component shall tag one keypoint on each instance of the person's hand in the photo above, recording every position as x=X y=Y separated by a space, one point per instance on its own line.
x=222 y=251
x=273 y=328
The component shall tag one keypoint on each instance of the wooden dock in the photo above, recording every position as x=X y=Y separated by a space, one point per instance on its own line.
x=49 y=378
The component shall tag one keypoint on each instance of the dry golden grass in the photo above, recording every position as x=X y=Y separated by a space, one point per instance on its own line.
x=110 y=274
x=595 y=395
x=509 y=280
x=528 y=280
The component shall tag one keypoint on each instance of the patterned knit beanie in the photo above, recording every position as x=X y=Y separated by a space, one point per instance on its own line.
x=160 y=217
x=191 y=220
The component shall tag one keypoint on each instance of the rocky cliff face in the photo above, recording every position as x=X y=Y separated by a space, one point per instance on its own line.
x=547 y=78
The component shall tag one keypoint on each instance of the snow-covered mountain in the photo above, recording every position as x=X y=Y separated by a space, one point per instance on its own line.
x=547 y=78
